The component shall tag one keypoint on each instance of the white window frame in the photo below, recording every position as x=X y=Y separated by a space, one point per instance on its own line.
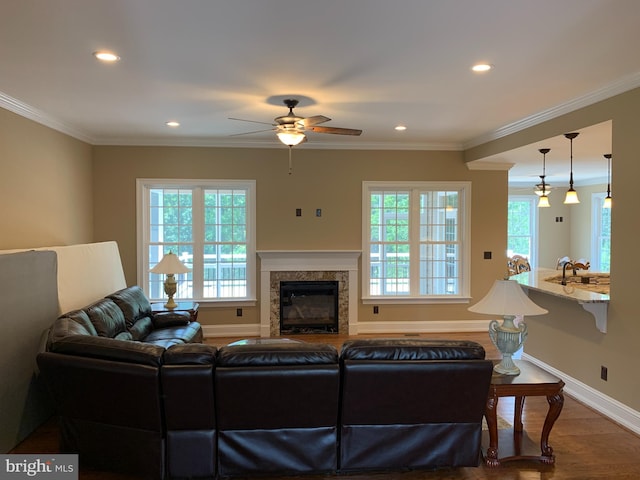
x=464 y=225
x=532 y=200
x=597 y=201
x=144 y=185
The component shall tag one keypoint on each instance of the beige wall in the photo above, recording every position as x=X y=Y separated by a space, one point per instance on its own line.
x=45 y=186
x=567 y=338
x=330 y=180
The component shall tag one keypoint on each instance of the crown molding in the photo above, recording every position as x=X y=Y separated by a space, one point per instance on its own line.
x=615 y=88
x=20 y=108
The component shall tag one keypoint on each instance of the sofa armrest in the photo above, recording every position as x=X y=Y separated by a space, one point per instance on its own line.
x=170 y=319
x=109 y=349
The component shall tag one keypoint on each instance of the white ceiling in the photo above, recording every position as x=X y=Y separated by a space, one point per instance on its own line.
x=367 y=64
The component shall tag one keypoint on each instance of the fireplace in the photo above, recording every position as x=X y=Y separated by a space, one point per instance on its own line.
x=308 y=265
x=309 y=307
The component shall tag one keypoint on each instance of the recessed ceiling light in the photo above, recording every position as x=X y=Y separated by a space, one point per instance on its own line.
x=482 y=67
x=106 y=56
x=400 y=128
x=173 y=123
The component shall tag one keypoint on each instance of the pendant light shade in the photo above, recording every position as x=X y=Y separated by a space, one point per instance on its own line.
x=543 y=201
x=543 y=188
x=572 y=195
x=607 y=199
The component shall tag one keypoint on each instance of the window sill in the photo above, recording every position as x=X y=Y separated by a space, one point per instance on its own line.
x=414 y=300
x=212 y=303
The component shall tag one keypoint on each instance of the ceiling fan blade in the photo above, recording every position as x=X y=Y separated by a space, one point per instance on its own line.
x=252 y=121
x=336 y=130
x=315 y=120
x=249 y=133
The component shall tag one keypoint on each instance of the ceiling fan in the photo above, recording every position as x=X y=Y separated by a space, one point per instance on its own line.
x=290 y=128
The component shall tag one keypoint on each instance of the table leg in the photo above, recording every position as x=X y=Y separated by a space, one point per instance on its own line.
x=491 y=415
x=556 y=402
x=518 y=429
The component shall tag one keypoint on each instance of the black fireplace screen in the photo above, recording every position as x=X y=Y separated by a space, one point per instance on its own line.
x=309 y=307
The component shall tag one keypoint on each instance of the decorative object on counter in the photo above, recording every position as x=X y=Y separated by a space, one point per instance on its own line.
x=542 y=189
x=170 y=265
x=572 y=195
x=517 y=264
x=507 y=298
x=607 y=199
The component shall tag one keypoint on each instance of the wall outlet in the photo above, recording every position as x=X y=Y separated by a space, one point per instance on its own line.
x=603 y=373
x=298 y=212
x=375 y=309
x=238 y=312
x=487 y=255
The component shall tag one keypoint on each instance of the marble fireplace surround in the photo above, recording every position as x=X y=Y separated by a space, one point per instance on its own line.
x=279 y=265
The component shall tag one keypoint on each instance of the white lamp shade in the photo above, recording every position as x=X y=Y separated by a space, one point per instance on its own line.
x=170 y=263
x=506 y=297
x=607 y=202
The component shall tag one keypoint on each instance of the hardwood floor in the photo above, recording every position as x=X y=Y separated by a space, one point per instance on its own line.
x=586 y=444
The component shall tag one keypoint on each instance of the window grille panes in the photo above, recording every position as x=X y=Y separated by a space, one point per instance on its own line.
x=415 y=240
x=601 y=234
x=389 y=252
x=520 y=228
x=209 y=226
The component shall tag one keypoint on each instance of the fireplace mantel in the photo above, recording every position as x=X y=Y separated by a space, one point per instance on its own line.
x=307 y=261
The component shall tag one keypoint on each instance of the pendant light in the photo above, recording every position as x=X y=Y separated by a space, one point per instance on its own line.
x=607 y=199
x=572 y=195
x=543 y=188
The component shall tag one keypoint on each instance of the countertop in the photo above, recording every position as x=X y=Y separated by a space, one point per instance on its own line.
x=535 y=281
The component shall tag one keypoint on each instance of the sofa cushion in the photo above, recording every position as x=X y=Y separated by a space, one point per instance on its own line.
x=106 y=317
x=141 y=329
x=72 y=323
x=411 y=349
x=280 y=354
x=133 y=303
x=169 y=336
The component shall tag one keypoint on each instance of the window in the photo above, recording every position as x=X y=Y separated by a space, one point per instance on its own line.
x=210 y=225
x=416 y=241
x=522 y=227
x=601 y=231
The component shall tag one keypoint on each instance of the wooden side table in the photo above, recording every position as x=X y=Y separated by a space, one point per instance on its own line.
x=191 y=307
x=532 y=381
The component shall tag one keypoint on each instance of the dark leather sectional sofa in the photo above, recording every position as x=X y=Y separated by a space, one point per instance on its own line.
x=176 y=408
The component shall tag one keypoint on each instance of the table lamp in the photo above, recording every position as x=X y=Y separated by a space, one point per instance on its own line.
x=170 y=265
x=507 y=298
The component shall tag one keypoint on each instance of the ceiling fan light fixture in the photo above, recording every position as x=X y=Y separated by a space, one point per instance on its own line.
x=542 y=189
x=291 y=138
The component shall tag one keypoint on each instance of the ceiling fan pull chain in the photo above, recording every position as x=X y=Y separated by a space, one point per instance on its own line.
x=290 y=167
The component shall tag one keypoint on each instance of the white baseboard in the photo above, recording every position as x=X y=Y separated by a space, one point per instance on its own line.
x=232 y=330
x=253 y=330
x=603 y=404
x=435 y=326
